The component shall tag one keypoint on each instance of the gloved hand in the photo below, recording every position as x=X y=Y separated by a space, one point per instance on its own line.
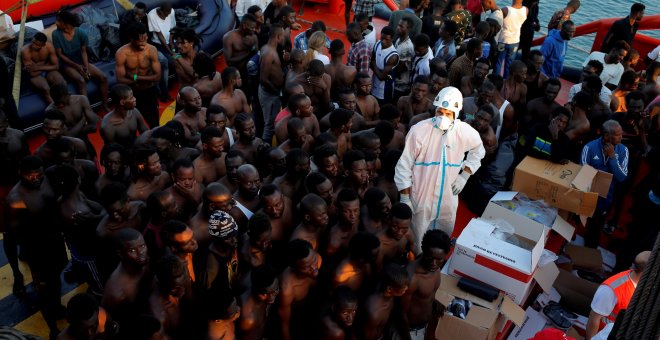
x=459 y=183
x=405 y=198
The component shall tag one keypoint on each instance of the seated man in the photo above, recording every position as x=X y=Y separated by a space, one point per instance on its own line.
x=548 y=141
x=123 y=123
x=41 y=63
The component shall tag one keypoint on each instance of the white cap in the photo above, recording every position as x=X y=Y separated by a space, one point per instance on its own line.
x=449 y=98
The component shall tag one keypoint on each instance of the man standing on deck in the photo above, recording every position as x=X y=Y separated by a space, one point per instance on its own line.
x=624 y=29
x=554 y=49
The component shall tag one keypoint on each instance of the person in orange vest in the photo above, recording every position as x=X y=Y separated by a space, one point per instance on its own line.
x=614 y=295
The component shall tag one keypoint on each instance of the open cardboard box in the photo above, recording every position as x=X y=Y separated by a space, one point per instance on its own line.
x=484 y=319
x=501 y=264
x=570 y=186
x=576 y=292
x=585 y=258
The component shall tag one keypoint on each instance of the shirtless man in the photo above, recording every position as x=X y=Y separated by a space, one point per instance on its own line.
x=356 y=271
x=295 y=284
x=482 y=123
x=187 y=43
x=41 y=63
x=256 y=243
x=316 y=183
x=210 y=165
x=418 y=302
x=138 y=67
x=300 y=106
x=392 y=138
x=123 y=286
x=54 y=128
x=355 y=171
x=579 y=127
x=348 y=220
x=297 y=168
x=192 y=116
x=514 y=89
x=340 y=130
x=317 y=86
x=13 y=147
x=233 y=159
x=209 y=80
x=327 y=162
x=375 y=211
x=248 y=143
x=279 y=210
x=187 y=192
x=240 y=44
x=148 y=173
x=231 y=98
x=80 y=119
x=82 y=313
x=221 y=316
x=255 y=303
x=298 y=136
x=271 y=80
x=417 y=102
x=539 y=109
x=216 y=117
x=396 y=242
x=29 y=212
x=367 y=105
x=366 y=141
x=214 y=197
x=342 y=76
x=114 y=163
x=168 y=293
x=380 y=305
x=470 y=84
x=338 y=323
x=123 y=123
x=246 y=196
x=314 y=220
x=296 y=66
x=275 y=164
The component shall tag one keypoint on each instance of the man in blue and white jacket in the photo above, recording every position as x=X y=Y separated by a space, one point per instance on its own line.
x=606 y=154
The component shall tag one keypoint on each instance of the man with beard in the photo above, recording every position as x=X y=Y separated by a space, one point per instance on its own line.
x=214 y=197
x=298 y=136
x=138 y=67
x=539 y=109
x=240 y=44
x=355 y=172
x=114 y=162
x=220 y=271
x=297 y=168
x=338 y=323
x=419 y=303
x=246 y=196
x=481 y=123
x=231 y=98
x=317 y=183
x=535 y=79
x=396 y=241
x=375 y=210
x=168 y=294
x=275 y=164
x=122 y=124
x=233 y=159
x=209 y=165
x=41 y=63
x=192 y=116
x=256 y=243
x=314 y=220
x=340 y=130
x=13 y=147
x=148 y=173
x=80 y=119
x=296 y=304
x=624 y=29
x=124 y=286
x=247 y=142
x=54 y=128
x=187 y=192
x=341 y=75
x=470 y=84
x=417 y=102
x=379 y=305
x=256 y=301
x=29 y=212
x=348 y=220
x=217 y=117
x=327 y=162
x=279 y=209
x=271 y=80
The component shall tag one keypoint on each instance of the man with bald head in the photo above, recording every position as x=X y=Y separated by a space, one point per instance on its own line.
x=613 y=297
x=247 y=194
x=314 y=220
x=214 y=197
x=231 y=98
x=210 y=164
x=192 y=116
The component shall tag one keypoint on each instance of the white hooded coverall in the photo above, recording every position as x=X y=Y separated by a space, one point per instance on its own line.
x=430 y=163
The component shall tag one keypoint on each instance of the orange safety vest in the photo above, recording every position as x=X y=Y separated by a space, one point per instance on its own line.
x=623 y=288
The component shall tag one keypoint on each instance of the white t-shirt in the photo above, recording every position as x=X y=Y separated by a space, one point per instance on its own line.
x=5 y=21
x=156 y=24
x=322 y=57
x=496 y=15
x=604 y=300
x=242 y=6
x=611 y=72
x=655 y=54
x=605 y=93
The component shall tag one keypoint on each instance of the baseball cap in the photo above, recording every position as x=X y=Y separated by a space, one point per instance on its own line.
x=222 y=225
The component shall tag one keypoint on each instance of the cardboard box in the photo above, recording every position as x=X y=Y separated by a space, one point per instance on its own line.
x=503 y=265
x=585 y=258
x=484 y=319
x=569 y=186
x=576 y=292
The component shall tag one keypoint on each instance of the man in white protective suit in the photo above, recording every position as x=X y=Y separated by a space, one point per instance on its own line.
x=434 y=168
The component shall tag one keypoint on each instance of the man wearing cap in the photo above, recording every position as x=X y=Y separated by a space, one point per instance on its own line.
x=222 y=261
x=433 y=168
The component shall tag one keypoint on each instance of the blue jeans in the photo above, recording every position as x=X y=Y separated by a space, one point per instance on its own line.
x=270 y=106
x=505 y=57
x=165 y=60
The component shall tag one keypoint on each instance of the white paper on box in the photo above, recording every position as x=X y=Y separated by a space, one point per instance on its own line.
x=534 y=322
